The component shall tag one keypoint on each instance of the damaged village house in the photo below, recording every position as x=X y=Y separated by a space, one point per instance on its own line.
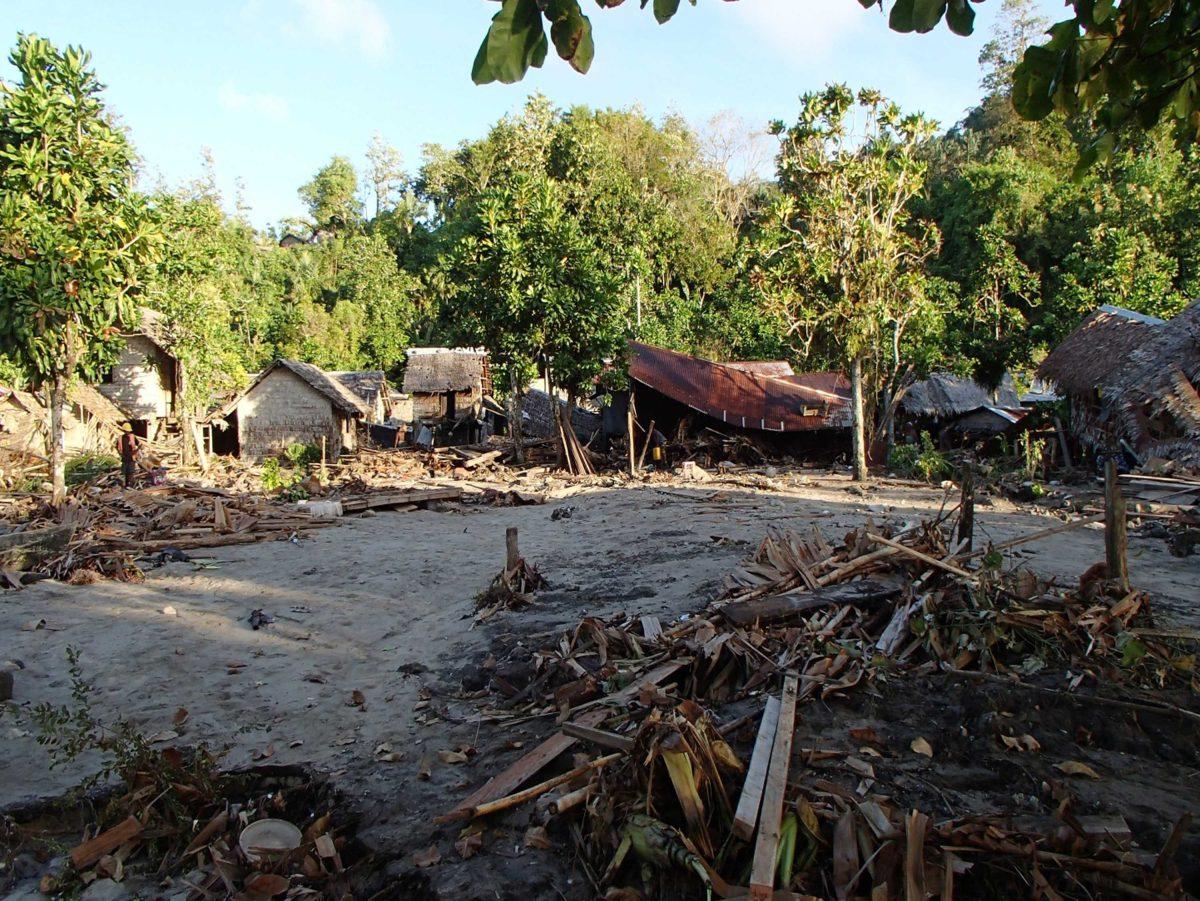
x=750 y=409
x=141 y=392
x=1131 y=381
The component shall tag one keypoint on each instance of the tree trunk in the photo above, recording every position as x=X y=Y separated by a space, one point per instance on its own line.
x=58 y=455
x=859 y=427
x=516 y=429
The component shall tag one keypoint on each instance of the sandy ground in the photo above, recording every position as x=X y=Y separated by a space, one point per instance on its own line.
x=383 y=605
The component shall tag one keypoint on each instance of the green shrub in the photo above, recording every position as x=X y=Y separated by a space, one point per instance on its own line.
x=920 y=461
x=300 y=455
x=87 y=466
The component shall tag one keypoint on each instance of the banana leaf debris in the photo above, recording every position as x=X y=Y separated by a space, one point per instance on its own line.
x=695 y=775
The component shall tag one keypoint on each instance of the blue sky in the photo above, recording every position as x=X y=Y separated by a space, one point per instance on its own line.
x=276 y=87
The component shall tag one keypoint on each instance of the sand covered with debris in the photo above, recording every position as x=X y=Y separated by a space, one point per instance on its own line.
x=369 y=666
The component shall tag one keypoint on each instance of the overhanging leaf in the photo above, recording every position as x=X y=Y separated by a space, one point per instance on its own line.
x=515 y=41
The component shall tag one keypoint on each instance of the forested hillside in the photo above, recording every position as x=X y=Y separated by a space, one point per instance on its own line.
x=561 y=233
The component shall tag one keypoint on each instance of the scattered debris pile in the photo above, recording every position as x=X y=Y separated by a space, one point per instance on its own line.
x=669 y=708
x=513 y=586
x=271 y=832
x=107 y=530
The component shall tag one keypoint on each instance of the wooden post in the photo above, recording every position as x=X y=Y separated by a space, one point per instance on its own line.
x=513 y=556
x=966 y=512
x=1062 y=441
x=324 y=457
x=645 y=446
x=629 y=426
x=1115 y=538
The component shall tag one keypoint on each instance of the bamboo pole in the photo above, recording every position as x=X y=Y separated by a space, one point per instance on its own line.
x=1116 y=539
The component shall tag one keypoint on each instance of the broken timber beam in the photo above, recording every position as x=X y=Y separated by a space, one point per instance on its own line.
x=768 y=609
x=379 y=500
x=924 y=558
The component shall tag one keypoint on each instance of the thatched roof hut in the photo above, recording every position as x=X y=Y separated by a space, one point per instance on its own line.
x=433 y=370
x=944 y=396
x=291 y=402
x=369 y=385
x=1134 y=377
x=1095 y=350
x=447 y=382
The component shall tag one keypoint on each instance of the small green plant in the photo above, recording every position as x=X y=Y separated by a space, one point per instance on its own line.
x=920 y=461
x=300 y=455
x=84 y=467
x=272 y=474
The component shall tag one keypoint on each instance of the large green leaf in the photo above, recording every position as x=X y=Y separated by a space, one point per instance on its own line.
x=571 y=32
x=927 y=14
x=901 y=17
x=665 y=9
x=516 y=41
x=960 y=17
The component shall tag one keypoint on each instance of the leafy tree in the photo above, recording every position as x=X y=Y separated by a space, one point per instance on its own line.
x=528 y=283
x=76 y=236
x=332 y=195
x=385 y=171
x=840 y=256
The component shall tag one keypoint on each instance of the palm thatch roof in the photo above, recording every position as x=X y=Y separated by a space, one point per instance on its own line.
x=433 y=370
x=1150 y=394
x=1097 y=349
x=368 y=384
x=97 y=405
x=944 y=394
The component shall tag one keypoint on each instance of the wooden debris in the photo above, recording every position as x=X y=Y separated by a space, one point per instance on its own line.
x=83 y=856
x=762 y=876
x=746 y=817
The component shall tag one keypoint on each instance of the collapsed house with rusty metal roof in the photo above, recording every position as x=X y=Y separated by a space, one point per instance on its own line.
x=1132 y=382
x=762 y=401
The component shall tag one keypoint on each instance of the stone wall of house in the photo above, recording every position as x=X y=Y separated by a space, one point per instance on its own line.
x=284 y=409
x=141 y=380
x=538 y=417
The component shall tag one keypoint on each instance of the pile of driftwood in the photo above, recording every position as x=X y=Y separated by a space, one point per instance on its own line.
x=804 y=620
x=108 y=531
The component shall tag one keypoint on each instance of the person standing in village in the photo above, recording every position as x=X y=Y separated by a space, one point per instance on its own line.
x=128 y=448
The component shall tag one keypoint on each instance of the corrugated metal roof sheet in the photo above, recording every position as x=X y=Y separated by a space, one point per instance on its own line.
x=774 y=368
x=741 y=398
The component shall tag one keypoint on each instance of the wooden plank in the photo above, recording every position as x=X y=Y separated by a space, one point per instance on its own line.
x=924 y=558
x=768 y=609
x=598 y=736
x=748 y=804
x=762 y=874
x=526 y=767
x=651 y=627
x=83 y=856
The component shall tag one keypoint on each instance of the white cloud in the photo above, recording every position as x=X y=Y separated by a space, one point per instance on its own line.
x=358 y=24
x=269 y=106
x=811 y=28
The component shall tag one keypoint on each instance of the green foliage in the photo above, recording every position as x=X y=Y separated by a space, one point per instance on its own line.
x=301 y=455
x=85 y=467
x=332 y=195
x=285 y=475
x=920 y=461
x=76 y=237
